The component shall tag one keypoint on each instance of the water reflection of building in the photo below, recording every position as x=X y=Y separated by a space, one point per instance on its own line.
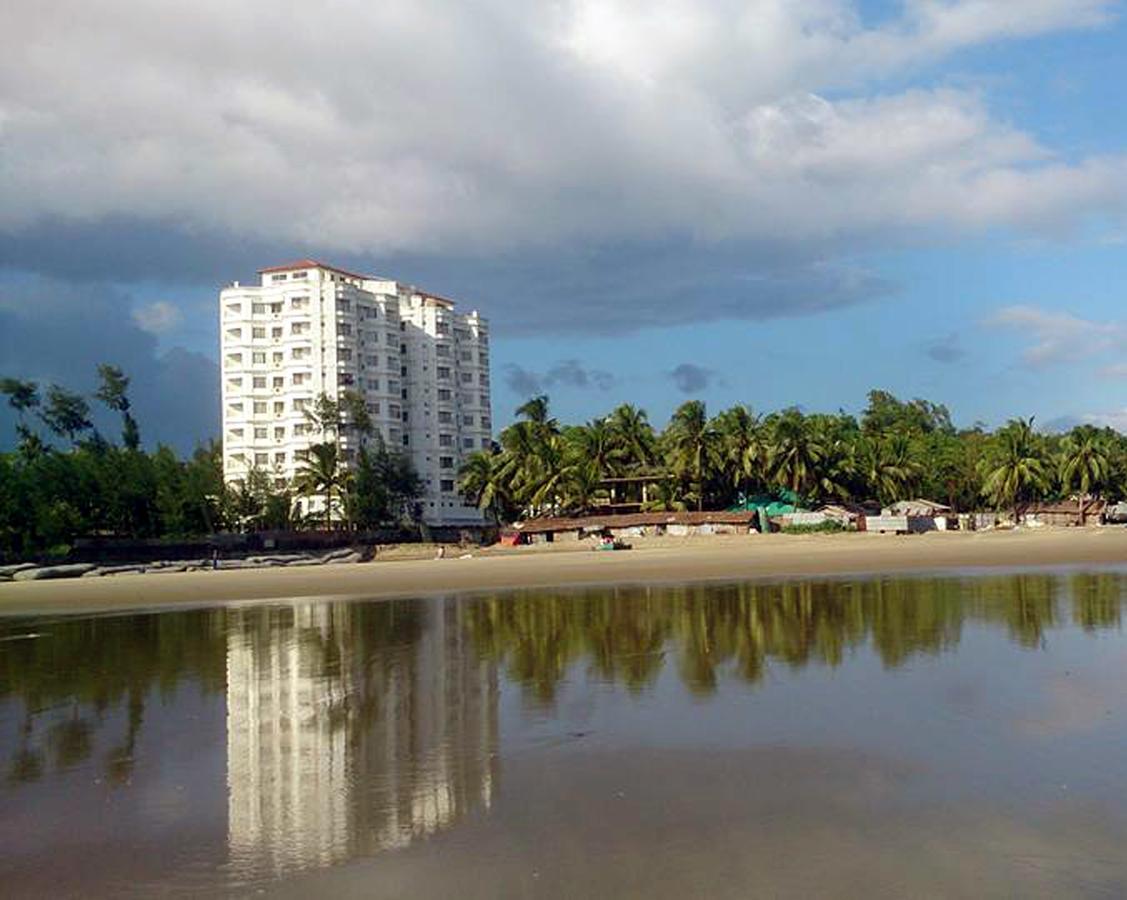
x=352 y=729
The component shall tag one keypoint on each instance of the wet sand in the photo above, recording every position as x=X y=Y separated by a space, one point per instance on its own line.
x=652 y=561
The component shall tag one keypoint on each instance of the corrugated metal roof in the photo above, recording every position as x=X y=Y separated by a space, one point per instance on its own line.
x=633 y=520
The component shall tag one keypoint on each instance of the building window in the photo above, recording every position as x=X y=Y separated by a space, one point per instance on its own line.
x=446 y=440
x=281 y=277
x=467 y=378
x=299 y=404
x=299 y=328
x=275 y=307
x=300 y=378
x=445 y=417
x=344 y=355
x=280 y=433
x=259 y=382
x=258 y=359
x=234 y=359
x=260 y=459
x=277 y=358
x=299 y=429
x=279 y=382
x=279 y=408
x=258 y=309
x=299 y=276
x=344 y=330
x=443 y=394
x=280 y=458
x=299 y=303
x=258 y=333
x=446 y=484
x=467 y=443
x=443 y=373
x=373 y=384
x=446 y=462
x=260 y=434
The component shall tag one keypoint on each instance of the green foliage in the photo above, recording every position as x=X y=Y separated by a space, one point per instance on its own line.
x=898 y=450
x=827 y=527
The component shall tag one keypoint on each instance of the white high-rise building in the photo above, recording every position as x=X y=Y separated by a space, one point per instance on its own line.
x=309 y=328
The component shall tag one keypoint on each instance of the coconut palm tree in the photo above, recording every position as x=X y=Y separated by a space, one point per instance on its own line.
x=742 y=446
x=887 y=465
x=1017 y=467
x=480 y=480
x=322 y=475
x=691 y=445
x=795 y=452
x=1084 y=464
x=597 y=444
x=634 y=435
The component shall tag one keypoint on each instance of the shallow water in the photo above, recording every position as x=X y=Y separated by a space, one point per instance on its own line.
x=886 y=737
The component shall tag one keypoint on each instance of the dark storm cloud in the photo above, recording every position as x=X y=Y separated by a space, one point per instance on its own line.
x=54 y=332
x=946 y=349
x=691 y=379
x=569 y=373
x=626 y=288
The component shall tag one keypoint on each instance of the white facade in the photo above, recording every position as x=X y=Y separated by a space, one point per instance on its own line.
x=307 y=329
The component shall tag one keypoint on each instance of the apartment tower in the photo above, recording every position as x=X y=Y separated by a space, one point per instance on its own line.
x=309 y=328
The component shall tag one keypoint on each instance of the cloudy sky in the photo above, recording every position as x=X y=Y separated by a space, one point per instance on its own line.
x=738 y=200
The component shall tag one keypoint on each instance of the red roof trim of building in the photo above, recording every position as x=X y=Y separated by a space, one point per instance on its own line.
x=313 y=264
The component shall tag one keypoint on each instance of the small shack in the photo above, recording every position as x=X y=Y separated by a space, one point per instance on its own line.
x=550 y=529
x=1066 y=512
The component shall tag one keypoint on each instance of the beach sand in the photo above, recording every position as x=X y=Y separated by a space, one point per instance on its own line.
x=655 y=560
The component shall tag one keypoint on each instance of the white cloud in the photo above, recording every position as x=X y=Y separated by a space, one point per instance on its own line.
x=158 y=317
x=1116 y=419
x=1114 y=370
x=428 y=125
x=1061 y=337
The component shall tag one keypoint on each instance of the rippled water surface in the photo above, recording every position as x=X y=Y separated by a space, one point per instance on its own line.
x=910 y=737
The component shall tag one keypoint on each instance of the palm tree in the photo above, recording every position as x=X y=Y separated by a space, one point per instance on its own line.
x=691 y=442
x=795 y=452
x=596 y=443
x=1084 y=463
x=887 y=465
x=1017 y=468
x=742 y=446
x=322 y=475
x=634 y=435
x=535 y=411
x=480 y=480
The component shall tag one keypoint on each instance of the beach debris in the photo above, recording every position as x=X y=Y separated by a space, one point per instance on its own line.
x=73 y=570
x=11 y=570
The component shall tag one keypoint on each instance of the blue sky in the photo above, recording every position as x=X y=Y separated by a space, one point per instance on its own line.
x=754 y=202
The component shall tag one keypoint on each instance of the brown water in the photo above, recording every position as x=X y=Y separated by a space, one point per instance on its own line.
x=889 y=738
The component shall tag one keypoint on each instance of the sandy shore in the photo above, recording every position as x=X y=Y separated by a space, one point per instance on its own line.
x=652 y=561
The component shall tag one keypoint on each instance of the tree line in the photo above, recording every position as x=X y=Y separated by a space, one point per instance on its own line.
x=65 y=479
x=894 y=450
